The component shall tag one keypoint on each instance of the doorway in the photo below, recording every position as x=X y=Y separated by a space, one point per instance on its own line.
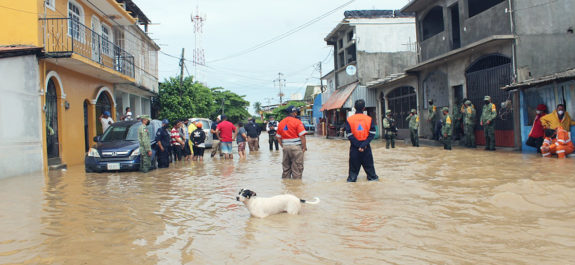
x=86 y=131
x=52 y=142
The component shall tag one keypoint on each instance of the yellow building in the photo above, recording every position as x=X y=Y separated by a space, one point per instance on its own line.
x=96 y=57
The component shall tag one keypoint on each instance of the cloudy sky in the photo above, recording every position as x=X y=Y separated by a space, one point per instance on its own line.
x=232 y=27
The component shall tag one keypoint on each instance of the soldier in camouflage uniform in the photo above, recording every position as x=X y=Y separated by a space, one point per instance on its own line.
x=469 y=116
x=446 y=128
x=456 y=115
x=413 y=120
x=145 y=148
x=432 y=119
x=390 y=130
x=488 y=116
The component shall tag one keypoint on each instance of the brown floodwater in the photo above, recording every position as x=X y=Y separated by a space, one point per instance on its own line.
x=429 y=207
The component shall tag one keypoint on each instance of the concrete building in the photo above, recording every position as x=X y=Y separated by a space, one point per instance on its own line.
x=368 y=45
x=21 y=149
x=472 y=48
x=94 y=53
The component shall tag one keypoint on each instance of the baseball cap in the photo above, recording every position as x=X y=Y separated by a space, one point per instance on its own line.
x=107 y=113
x=291 y=109
x=165 y=121
x=219 y=117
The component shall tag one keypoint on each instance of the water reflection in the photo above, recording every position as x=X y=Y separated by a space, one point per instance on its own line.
x=431 y=206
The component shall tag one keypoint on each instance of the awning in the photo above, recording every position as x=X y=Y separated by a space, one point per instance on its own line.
x=339 y=97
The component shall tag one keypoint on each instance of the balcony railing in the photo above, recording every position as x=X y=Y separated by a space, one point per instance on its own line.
x=64 y=37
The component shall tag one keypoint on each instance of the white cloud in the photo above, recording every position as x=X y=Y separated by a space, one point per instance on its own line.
x=235 y=25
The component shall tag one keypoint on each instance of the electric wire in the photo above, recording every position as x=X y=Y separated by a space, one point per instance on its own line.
x=284 y=35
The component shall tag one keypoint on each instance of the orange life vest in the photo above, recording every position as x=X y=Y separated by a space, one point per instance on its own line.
x=360 y=125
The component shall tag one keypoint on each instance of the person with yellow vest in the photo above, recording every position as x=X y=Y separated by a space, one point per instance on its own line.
x=558 y=118
x=361 y=130
x=560 y=145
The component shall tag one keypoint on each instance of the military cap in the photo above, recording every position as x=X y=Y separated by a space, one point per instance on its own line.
x=144 y=117
x=388 y=111
x=487 y=98
x=468 y=102
x=413 y=110
x=445 y=109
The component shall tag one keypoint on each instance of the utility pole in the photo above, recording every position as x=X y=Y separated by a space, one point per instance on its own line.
x=321 y=79
x=280 y=82
x=182 y=65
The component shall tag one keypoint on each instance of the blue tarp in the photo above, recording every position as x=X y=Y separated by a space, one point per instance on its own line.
x=317 y=113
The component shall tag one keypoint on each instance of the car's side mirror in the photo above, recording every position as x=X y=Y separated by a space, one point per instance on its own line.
x=97 y=139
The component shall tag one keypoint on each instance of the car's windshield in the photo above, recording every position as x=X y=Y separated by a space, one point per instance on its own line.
x=121 y=133
x=205 y=124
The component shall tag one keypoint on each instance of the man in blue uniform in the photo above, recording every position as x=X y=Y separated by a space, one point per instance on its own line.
x=361 y=130
x=163 y=144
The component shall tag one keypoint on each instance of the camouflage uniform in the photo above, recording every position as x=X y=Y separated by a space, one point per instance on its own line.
x=469 y=116
x=488 y=116
x=413 y=128
x=456 y=115
x=144 y=139
x=389 y=128
x=446 y=129
x=432 y=118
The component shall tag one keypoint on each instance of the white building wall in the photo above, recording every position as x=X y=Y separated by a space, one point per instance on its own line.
x=145 y=58
x=385 y=34
x=21 y=146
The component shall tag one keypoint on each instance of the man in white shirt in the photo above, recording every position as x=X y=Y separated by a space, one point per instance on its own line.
x=106 y=120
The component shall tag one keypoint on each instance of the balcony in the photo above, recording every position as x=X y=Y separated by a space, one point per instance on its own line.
x=65 y=37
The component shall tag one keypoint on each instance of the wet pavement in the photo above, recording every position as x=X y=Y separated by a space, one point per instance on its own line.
x=430 y=207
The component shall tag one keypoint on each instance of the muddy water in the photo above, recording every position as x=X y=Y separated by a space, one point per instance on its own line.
x=430 y=207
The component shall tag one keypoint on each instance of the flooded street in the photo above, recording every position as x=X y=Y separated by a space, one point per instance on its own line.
x=429 y=207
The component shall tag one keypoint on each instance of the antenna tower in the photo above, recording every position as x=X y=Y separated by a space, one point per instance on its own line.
x=199 y=53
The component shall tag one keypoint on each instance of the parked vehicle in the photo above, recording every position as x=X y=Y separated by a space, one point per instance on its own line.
x=206 y=126
x=118 y=148
x=310 y=128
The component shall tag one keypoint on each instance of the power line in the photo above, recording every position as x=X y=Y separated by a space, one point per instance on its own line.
x=284 y=35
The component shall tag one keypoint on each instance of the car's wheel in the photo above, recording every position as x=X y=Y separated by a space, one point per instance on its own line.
x=89 y=170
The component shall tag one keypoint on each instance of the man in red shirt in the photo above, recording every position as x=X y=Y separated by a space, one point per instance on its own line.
x=226 y=133
x=291 y=137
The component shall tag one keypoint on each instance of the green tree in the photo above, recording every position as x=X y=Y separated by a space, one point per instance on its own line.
x=176 y=102
x=279 y=113
x=231 y=104
x=257 y=107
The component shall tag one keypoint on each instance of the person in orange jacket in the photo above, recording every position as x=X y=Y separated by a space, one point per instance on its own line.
x=561 y=144
x=361 y=130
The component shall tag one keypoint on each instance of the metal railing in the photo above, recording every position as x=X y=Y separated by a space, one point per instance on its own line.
x=64 y=37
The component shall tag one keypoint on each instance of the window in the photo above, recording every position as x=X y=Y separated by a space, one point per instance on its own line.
x=76 y=18
x=350 y=51
x=341 y=59
x=432 y=23
x=350 y=36
x=340 y=44
x=50 y=4
x=478 y=6
x=107 y=40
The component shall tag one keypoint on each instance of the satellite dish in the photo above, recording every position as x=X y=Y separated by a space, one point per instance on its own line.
x=351 y=70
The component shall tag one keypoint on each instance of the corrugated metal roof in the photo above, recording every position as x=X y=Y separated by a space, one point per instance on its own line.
x=361 y=92
x=569 y=74
x=338 y=98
